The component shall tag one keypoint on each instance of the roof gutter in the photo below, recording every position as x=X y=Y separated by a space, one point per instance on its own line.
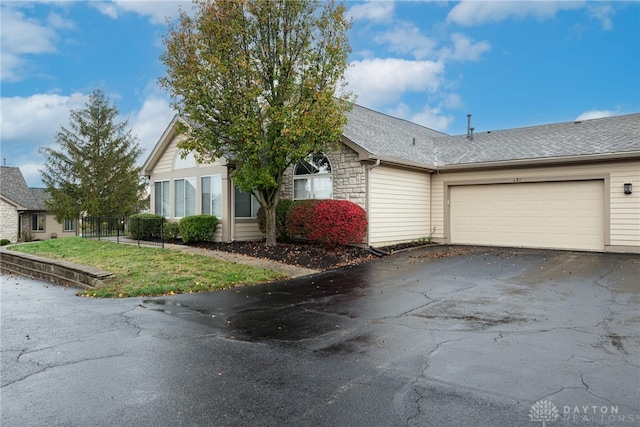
x=631 y=155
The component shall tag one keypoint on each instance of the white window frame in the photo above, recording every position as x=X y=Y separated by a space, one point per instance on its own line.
x=311 y=179
x=186 y=209
x=163 y=203
x=208 y=205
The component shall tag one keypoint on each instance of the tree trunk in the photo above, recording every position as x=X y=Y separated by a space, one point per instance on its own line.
x=270 y=225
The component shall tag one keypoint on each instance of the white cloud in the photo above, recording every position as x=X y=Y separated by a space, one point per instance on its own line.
x=431 y=117
x=381 y=81
x=149 y=123
x=595 y=114
x=29 y=123
x=407 y=38
x=21 y=36
x=464 y=49
x=603 y=13
x=157 y=11
x=34 y=120
x=470 y=13
x=376 y=11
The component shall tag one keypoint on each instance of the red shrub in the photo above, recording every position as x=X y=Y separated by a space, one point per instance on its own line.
x=300 y=217
x=330 y=222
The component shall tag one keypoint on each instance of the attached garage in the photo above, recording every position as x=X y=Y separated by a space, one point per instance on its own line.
x=557 y=215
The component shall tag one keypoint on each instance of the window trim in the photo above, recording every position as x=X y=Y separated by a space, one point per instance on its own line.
x=311 y=178
x=73 y=223
x=254 y=204
x=194 y=181
x=35 y=218
x=155 y=198
x=211 y=176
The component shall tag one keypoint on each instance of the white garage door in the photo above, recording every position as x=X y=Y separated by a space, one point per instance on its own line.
x=561 y=215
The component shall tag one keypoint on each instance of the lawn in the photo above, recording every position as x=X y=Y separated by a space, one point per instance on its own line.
x=148 y=271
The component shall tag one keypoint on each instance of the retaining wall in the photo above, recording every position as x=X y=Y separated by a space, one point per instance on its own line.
x=50 y=270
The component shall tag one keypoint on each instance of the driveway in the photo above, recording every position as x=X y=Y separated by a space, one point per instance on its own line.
x=446 y=336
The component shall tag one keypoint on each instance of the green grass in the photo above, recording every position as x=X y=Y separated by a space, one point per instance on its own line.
x=148 y=271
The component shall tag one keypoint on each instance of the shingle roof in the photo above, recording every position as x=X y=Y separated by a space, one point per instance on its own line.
x=14 y=187
x=619 y=134
x=388 y=137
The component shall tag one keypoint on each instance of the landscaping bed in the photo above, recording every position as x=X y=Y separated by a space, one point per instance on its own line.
x=304 y=254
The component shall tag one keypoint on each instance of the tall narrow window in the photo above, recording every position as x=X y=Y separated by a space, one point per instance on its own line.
x=185 y=197
x=161 y=194
x=212 y=195
x=312 y=178
x=246 y=205
x=37 y=222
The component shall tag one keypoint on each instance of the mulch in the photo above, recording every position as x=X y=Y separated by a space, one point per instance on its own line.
x=304 y=254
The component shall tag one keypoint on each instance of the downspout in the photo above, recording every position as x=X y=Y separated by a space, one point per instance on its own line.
x=368 y=198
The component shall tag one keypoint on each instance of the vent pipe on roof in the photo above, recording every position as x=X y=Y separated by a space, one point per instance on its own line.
x=471 y=134
x=468 y=126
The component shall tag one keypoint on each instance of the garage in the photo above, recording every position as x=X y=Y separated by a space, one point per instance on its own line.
x=557 y=215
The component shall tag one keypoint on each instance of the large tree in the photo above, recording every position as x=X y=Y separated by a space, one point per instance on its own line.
x=94 y=171
x=262 y=84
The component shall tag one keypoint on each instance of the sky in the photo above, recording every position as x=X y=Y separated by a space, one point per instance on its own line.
x=508 y=63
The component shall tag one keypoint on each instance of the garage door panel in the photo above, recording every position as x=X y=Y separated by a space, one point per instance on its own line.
x=563 y=215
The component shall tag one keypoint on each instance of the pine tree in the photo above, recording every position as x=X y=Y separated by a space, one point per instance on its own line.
x=94 y=171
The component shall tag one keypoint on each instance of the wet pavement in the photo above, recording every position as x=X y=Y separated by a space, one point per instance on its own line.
x=432 y=337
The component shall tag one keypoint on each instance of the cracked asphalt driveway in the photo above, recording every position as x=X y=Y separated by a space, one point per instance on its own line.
x=446 y=336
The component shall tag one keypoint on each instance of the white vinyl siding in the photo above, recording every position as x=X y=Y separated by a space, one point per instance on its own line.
x=625 y=208
x=558 y=215
x=399 y=205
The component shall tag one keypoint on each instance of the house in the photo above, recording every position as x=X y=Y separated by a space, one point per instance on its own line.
x=23 y=215
x=560 y=186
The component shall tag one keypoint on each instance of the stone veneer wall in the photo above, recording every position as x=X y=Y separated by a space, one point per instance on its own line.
x=55 y=271
x=8 y=222
x=349 y=182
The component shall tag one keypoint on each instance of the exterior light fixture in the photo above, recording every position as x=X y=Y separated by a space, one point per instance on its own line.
x=627 y=188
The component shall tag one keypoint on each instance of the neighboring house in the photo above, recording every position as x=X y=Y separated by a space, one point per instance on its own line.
x=23 y=215
x=572 y=185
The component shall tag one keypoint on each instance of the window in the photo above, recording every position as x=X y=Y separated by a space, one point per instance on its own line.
x=312 y=178
x=69 y=225
x=185 y=193
x=246 y=205
x=162 y=198
x=212 y=195
x=37 y=222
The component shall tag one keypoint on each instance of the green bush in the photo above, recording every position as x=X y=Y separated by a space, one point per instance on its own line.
x=281 y=219
x=4 y=242
x=146 y=226
x=171 y=231
x=198 y=228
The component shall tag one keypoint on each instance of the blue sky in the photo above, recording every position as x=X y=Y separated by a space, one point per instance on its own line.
x=510 y=64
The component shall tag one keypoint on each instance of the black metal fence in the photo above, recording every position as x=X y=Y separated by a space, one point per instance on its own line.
x=145 y=231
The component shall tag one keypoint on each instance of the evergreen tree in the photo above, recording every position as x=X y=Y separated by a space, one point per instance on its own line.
x=94 y=171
